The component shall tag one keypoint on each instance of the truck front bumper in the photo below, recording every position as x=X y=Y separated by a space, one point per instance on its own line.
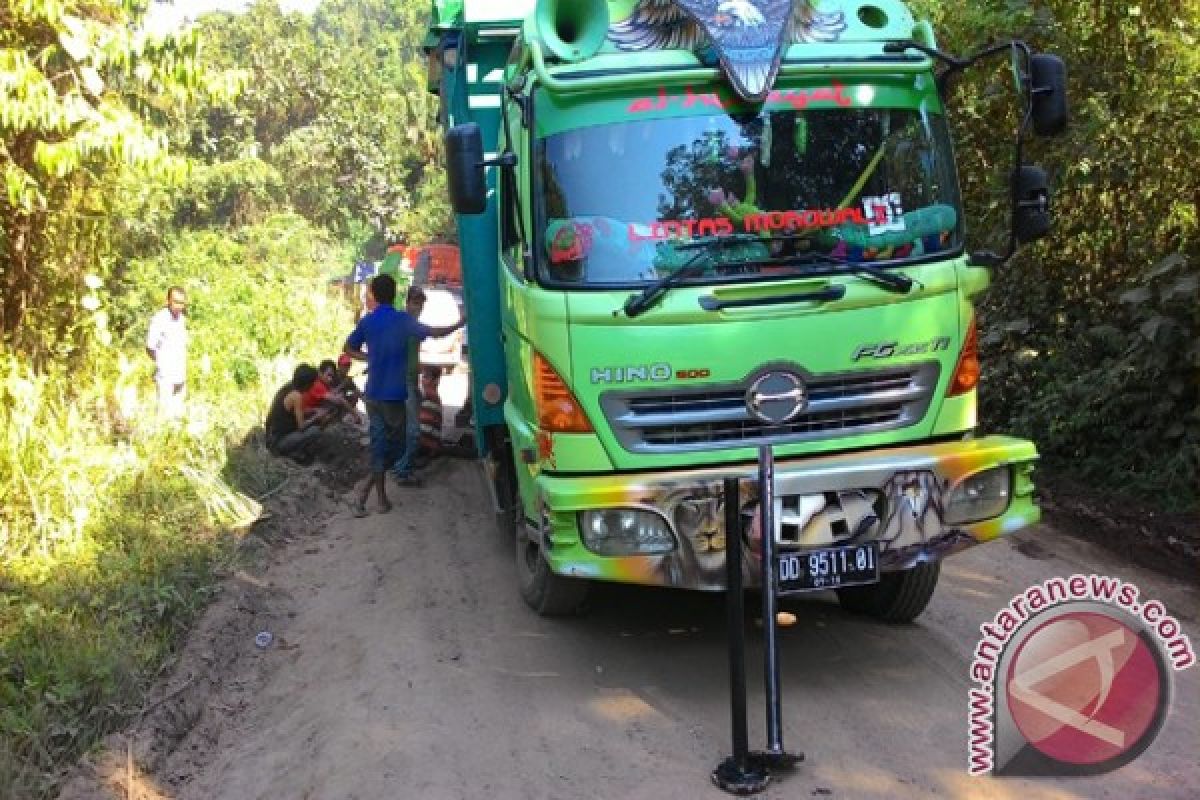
x=905 y=498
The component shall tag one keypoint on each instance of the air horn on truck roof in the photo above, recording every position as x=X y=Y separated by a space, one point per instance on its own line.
x=571 y=30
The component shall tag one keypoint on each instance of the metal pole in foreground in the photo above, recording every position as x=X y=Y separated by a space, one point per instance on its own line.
x=737 y=774
x=766 y=482
x=735 y=604
x=775 y=756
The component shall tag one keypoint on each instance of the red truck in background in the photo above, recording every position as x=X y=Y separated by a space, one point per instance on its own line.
x=427 y=265
x=437 y=269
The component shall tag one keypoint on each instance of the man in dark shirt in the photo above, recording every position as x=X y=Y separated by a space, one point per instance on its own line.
x=289 y=430
x=386 y=332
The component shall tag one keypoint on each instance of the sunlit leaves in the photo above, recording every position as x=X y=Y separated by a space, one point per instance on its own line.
x=338 y=106
x=84 y=95
x=1109 y=301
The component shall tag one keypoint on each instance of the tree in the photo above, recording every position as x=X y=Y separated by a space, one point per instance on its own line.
x=81 y=89
x=1092 y=337
x=337 y=105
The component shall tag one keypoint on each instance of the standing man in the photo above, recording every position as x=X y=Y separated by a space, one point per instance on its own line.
x=414 y=304
x=385 y=332
x=166 y=342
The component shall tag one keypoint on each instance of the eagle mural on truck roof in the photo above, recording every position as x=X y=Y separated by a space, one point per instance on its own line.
x=747 y=35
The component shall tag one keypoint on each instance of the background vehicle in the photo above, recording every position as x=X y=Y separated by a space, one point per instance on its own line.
x=437 y=269
x=698 y=235
x=426 y=265
x=443 y=306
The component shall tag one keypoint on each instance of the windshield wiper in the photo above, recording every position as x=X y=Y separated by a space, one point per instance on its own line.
x=645 y=300
x=892 y=281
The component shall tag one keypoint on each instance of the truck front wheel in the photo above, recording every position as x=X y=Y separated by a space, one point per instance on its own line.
x=502 y=472
x=898 y=597
x=504 y=483
x=548 y=594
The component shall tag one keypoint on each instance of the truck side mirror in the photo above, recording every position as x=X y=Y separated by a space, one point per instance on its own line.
x=1048 y=89
x=1031 y=203
x=464 y=169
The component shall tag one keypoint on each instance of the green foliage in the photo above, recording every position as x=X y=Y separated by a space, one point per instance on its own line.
x=1091 y=339
x=110 y=524
x=235 y=192
x=84 y=624
x=106 y=544
x=428 y=217
x=337 y=105
x=250 y=294
x=285 y=85
x=130 y=163
x=79 y=90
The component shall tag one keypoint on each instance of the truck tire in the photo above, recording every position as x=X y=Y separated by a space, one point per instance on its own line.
x=548 y=594
x=898 y=597
x=507 y=495
x=503 y=475
x=506 y=523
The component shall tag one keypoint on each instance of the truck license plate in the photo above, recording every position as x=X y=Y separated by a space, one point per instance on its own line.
x=827 y=568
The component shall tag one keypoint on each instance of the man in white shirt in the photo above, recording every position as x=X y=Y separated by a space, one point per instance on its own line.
x=166 y=342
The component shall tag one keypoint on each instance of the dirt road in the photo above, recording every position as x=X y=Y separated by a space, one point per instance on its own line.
x=406 y=666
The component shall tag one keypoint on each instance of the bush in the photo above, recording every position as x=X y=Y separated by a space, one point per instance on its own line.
x=110 y=524
x=1091 y=339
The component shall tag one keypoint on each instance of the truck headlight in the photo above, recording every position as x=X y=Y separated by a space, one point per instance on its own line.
x=625 y=531
x=981 y=496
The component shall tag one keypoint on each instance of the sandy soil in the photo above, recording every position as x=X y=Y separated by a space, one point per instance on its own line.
x=404 y=665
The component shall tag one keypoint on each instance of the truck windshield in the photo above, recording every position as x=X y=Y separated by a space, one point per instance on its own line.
x=863 y=185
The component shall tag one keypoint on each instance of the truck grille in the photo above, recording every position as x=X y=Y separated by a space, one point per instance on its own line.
x=675 y=420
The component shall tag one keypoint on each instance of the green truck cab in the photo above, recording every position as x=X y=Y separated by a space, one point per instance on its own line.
x=693 y=228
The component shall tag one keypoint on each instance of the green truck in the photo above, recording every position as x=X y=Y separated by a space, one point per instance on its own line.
x=692 y=228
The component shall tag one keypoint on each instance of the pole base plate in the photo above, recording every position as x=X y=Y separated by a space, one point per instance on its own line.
x=755 y=774
x=750 y=778
x=771 y=759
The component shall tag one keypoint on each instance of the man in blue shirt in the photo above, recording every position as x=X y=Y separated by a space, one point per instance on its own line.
x=385 y=332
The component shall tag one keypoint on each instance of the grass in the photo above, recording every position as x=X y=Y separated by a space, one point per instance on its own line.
x=111 y=524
